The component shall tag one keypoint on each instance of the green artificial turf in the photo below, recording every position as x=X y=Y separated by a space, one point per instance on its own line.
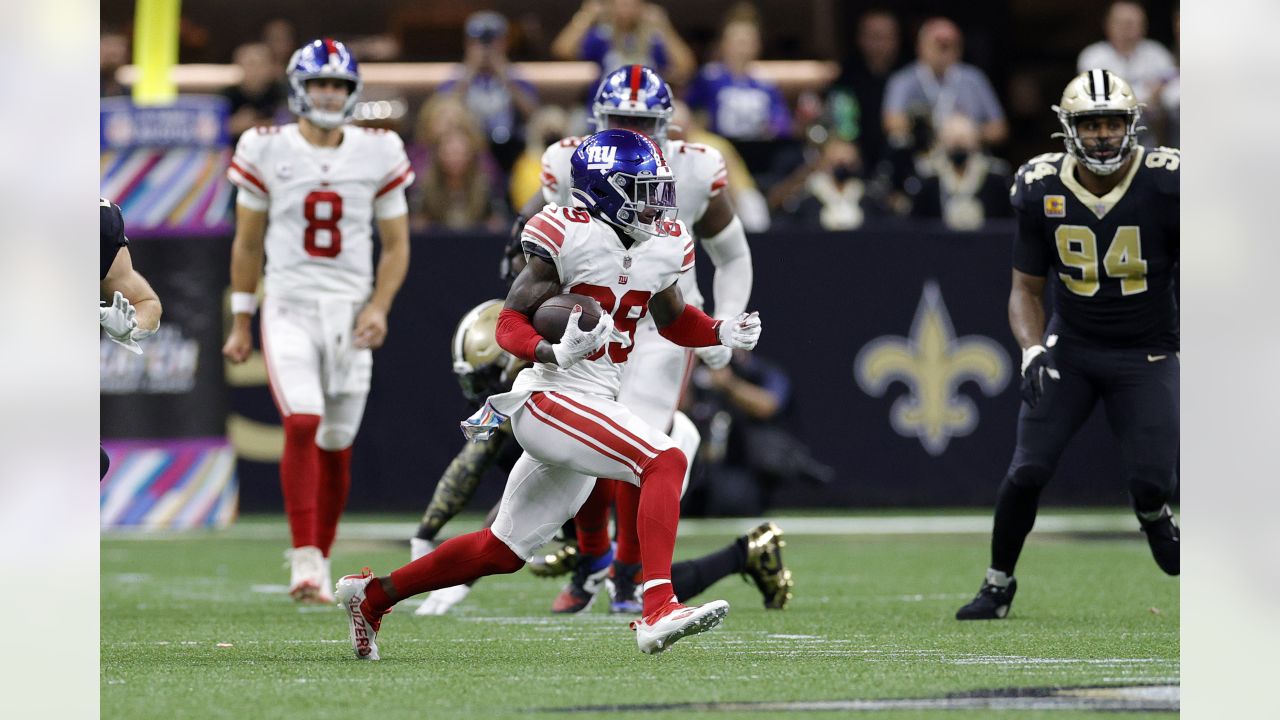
x=198 y=626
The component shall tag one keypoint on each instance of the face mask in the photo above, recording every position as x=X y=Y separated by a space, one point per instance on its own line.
x=958 y=157
x=843 y=172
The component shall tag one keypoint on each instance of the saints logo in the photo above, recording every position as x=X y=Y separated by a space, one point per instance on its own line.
x=932 y=363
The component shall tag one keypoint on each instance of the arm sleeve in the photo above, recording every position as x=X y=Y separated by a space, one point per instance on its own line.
x=516 y=335
x=244 y=173
x=731 y=254
x=692 y=328
x=389 y=200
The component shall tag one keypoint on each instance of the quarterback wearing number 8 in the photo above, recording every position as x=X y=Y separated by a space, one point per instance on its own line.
x=624 y=248
x=309 y=195
x=1100 y=223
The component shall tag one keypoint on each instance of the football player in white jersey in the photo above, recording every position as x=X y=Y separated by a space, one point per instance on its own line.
x=309 y=194
x=625 y=249
x=636 y=98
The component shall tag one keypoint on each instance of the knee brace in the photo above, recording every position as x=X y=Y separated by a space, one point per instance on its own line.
x=335 y=435
x=1031 y=476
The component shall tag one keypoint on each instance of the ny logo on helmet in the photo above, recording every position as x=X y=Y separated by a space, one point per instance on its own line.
x=601 y=157
x=932 y=363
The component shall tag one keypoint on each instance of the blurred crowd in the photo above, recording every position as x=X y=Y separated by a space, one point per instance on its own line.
x=907 y=130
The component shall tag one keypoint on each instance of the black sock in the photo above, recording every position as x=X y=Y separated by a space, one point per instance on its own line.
x=690 y=577
x=1015 y=516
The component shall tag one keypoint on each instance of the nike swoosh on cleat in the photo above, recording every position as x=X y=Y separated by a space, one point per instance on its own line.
x=1156 y=358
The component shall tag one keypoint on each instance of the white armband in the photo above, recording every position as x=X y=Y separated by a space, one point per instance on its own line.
x=243 y=303
x=731 y=286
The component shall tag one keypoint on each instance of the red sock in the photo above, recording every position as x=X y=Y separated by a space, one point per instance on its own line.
x=592 y=520
x=457 y=561
x=335 y=482
x=627 y=500
x=657 y=517
x=300 y=477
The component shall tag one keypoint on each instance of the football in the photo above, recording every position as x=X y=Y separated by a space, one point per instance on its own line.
x=553 y=314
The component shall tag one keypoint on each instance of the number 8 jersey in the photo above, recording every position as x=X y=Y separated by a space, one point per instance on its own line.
x=321 y=204
x=591 y=260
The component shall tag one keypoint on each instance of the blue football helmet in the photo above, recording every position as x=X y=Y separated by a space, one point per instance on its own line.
x=633 y=91
x=323 y=58
x=621 y=177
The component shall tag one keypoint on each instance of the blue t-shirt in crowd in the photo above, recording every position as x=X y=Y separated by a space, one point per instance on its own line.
x=599 y=46
x=741 y=107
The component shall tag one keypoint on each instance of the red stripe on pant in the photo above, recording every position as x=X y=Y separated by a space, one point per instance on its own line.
x=631 y=455
x=606 y=420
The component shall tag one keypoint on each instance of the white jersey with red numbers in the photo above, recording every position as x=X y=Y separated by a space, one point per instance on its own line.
x=321 y=204
x=699 y=173
x=592 y=261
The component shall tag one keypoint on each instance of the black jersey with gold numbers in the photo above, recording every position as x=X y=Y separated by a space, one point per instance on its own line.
x=111 y=222
x=1112 y=259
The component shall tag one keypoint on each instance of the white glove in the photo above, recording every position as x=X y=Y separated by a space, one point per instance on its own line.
x=714 y=356
x=439 y=602
x=577 y=343
x=120 y=320
x=742 y=332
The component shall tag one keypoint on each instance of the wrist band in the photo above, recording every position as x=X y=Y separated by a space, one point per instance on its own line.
x=243 y=302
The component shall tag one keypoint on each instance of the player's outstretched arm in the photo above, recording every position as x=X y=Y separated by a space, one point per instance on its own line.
x=122 y=278
x=246 y=268
x=687 y=326
x=393 y=266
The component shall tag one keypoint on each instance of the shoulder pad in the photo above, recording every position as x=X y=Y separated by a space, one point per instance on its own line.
x=110 y=220
x=1029 y=183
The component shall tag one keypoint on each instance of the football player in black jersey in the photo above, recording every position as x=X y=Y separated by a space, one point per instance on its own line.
x=1100 y=224
x=129 y=309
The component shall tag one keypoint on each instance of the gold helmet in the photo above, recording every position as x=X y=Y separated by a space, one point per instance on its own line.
x=482 y=367
x=1090 y=94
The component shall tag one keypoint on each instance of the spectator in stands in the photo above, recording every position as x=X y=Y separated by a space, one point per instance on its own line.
x=548 y=124
x=459 y=184
x=855 y=99
x=613 y=33
x=113 y=54
x=1127 y=52
x=965 y=186
x=748 y=451
x=279 y=35
x=736 y=104
x=491 y=88
x=748 y=202
x=261 y=93
x=936 y=86
x=1170 y=100
x=828 y=192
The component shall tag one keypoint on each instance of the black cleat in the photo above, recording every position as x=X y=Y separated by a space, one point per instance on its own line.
x=1162 y=536
x=991 y=603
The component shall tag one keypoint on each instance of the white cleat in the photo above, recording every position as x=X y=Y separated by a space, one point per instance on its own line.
x=658 y=631
x=363 y=631
x=308 y=575
x=440 y=601
x=419 y=548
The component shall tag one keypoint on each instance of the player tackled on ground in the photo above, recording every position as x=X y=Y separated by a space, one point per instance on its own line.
x=1102 y=220
x=627 y=251
x=309 y=195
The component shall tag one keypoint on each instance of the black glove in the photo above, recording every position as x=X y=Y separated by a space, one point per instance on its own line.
x=1037 y=368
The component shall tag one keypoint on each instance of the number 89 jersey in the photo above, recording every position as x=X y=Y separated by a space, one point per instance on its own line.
x=1112 y=258
x=591 y=260
x=321 y=204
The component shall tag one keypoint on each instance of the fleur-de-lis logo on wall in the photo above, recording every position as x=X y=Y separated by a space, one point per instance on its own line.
x=932 y=363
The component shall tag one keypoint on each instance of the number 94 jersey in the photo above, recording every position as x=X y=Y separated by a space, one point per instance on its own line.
x=321 y=204
x=591 y=260
x=1113 y=258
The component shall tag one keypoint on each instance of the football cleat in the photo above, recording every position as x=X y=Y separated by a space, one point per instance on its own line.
x=440 y=601
x=673 y=621
x=624 y=588
x=363 y=628
x=588 y=577
x=764 y=565
x=555 y=564
x=991 y=603
x=308 y=575
x=1162 y=536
